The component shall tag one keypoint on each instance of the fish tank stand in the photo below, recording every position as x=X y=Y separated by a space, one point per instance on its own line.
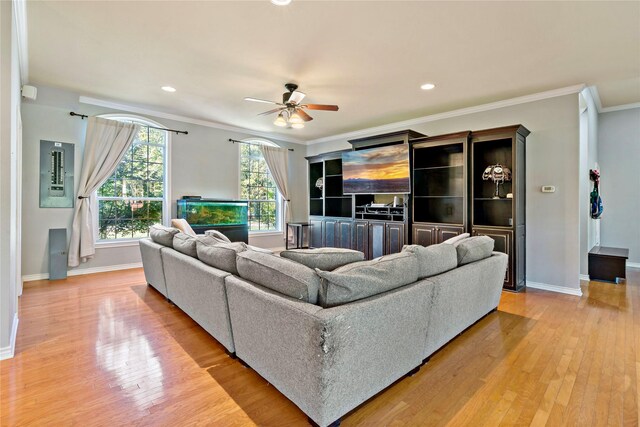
x=230 y=217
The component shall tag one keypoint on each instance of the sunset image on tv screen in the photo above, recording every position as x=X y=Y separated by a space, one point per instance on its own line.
x=377 y=170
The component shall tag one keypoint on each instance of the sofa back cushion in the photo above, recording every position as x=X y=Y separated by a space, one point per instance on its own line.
x=163 y=235
x=474 y=249
x=456 y=239
x=221 y=255
x=279 y=274
x=326 y=259
x=363 y=279
x=434 y=259
x=185 y=244
x=217 y=235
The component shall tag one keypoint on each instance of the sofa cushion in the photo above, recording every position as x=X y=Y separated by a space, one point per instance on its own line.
x=221 y=255
x=434 y=259
x=217 y=235
x=185 y=244
x=163 y=235
x=363 y=279
x=456 y=239
x=279 y=274
x=326 y=259
x=474 y=249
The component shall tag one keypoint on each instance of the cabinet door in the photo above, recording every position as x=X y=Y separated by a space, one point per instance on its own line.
x=330 y=236
x=345 y=234
x=424 y=235
x=394 y=237
x=503 y=243
x=376 y=239
x=447 y=231
x=315 y=233
x=361 y=237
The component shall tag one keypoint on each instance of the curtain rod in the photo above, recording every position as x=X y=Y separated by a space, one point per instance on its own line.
x=250 y=143
x=83 y=116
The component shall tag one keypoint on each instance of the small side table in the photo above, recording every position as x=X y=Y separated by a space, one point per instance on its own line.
x=297 y=235
x=607 y=264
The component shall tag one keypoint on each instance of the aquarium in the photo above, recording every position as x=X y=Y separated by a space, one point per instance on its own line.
x=213 y=213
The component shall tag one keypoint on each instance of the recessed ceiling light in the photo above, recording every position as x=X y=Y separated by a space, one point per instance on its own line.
x=427 y=86
x=281 y=2
x=168 y=89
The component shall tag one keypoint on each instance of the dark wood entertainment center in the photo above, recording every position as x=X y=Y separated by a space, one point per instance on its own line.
x=449 y=197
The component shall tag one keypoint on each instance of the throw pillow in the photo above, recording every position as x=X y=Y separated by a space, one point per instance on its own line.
x=366 y=278
x=218 y=254
x=474 y=249
x=434 y=259
x=279 y=274
x=163 y=235
x=457 y=238
x=183 y=225
x=185 y=244
x=217 y=235
x=326 y=259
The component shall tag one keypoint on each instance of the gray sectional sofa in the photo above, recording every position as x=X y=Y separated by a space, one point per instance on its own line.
x=328 y=340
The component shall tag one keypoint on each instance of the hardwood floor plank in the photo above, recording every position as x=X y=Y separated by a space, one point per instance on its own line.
x=106 y=349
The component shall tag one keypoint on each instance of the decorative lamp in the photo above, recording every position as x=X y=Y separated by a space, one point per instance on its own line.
x=295 y=119
x=498 y=174
x=280 y=120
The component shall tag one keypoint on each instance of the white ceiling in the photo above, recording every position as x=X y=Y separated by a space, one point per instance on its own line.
x=368 y=57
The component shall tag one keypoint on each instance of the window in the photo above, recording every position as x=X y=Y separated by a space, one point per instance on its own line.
x=257 y=186
x=133 y=198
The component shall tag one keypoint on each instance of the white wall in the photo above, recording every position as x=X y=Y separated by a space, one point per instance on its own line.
x=619 y=158
x=589 y=228
x=9 y=182
x=553 y=241
x=202 y=163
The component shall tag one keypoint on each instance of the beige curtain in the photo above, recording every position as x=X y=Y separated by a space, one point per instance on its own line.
x=106 y=143
x=278 y=163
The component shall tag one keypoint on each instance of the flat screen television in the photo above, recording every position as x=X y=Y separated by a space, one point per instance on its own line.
x=380 y=170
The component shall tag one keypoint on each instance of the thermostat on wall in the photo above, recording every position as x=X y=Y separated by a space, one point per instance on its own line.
x=548 y=189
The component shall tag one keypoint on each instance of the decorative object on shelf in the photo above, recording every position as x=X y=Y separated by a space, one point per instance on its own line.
x=498 y=174
x=596 y=200
x=320 y=183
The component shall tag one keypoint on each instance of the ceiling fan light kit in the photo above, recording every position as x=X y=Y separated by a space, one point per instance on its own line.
x=292 y=107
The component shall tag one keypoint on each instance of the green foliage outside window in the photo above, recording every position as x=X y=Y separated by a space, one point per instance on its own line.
x=257 y=186
x=132 y=199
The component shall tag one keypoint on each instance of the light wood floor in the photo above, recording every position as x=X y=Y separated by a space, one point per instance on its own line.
x=106 y=349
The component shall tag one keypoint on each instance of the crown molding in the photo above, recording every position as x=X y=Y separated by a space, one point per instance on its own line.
x=20 y=18
x=184 y=119
x=620 y=107
x=454 y=113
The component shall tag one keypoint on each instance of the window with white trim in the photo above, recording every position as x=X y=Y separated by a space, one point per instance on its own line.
x=258 y=187
x=135 y=196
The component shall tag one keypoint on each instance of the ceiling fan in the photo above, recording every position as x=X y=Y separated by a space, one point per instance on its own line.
x=291 y=110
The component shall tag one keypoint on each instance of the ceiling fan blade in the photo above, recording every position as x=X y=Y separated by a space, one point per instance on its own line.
x=296 y=97
x=320 y=107
x=303 y=115
x=264 y=101
x=275 y=110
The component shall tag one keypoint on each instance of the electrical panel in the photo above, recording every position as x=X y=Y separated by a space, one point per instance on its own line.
x=56 y=174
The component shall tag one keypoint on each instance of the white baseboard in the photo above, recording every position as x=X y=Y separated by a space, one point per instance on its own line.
x=555 y=288
x=81 y=271
x=633 y=264
x=584 y=277
x=8 y=351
